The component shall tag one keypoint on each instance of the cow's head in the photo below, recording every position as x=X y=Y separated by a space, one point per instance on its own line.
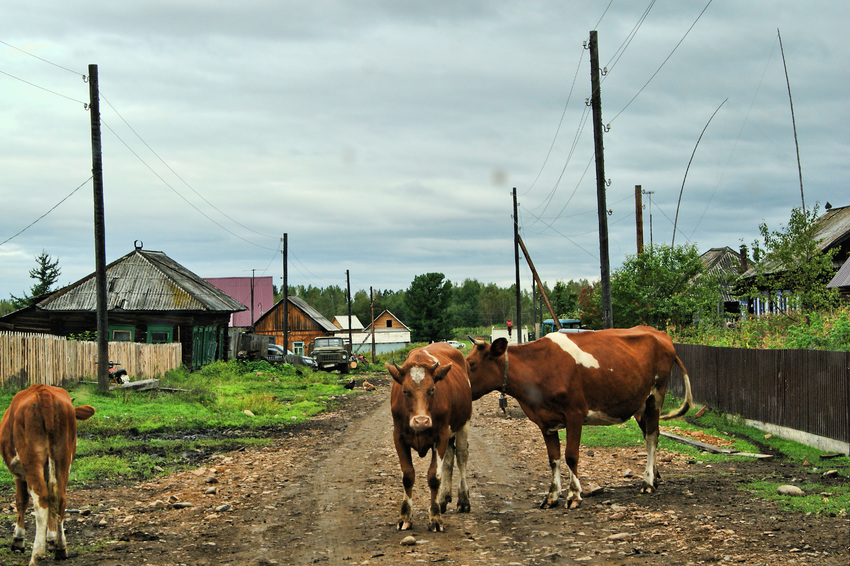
x=418 y=386
x=486 y=364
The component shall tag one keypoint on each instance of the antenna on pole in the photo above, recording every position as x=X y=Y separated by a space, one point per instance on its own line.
x=793 y=121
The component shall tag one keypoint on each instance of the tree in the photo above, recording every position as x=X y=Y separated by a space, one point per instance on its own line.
x=791 y=264
x=427 y=301
x=564 y=301
x=466 y=308
x=46 y=273
x=662 y=285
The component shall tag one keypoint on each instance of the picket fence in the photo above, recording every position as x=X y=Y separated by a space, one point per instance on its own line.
x=52 y=360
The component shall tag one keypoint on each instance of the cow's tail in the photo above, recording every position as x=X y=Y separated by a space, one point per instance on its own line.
x=46 y=409
x=689 y=399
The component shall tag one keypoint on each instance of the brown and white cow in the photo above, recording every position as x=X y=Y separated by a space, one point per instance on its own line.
x=431 y=404
x=587 y=378
x=38 y=439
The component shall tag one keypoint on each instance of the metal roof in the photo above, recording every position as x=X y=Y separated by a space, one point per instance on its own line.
x=842 y=278
x=144 y=281
x=318 y=317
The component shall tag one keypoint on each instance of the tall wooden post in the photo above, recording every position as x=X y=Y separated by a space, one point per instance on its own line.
x=596 y=105
x=372 y=311
x=518 y=324
x=639 y=218
x=99 y=234
x=285 y=251
x=348 y=294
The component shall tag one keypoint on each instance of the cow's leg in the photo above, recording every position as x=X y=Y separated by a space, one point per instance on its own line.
x=22 y=499
x=649 y=426
x=553 y=449
x=445 y=496
x=434 y=476
x=462 y=452
x=39 y=503
x=408 y=476
x=573 y=443
x=56 y=519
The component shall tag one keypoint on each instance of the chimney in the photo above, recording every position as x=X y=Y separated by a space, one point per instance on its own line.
x=744 y=261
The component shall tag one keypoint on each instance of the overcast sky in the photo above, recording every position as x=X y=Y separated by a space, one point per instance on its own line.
x=384 y=137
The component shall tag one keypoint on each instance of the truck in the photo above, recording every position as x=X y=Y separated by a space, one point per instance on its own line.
x=330 y=353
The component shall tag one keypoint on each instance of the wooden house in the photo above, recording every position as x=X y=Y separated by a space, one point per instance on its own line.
x=389 y=333
x=305 y=325
x=150 y=298
x=725 y=265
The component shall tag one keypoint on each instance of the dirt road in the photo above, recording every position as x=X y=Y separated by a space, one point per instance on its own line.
x=329 y=493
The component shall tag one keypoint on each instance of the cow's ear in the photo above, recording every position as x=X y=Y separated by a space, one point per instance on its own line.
x=442 y=371
x=395 y=372
x=497 y=349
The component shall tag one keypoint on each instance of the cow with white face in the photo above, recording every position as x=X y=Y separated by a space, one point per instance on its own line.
x=431 y=405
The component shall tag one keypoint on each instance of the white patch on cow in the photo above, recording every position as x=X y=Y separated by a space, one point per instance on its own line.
x=598 y=418
x=40 y=542
x=417 y=374
x=580 y=356
x=430 y=355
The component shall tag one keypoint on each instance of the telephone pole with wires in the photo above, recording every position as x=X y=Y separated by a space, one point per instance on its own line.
x=596 y=106
x=516 y=263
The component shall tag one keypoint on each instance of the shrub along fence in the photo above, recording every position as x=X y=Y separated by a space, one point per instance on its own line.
x=51 y=360
x=805 y=390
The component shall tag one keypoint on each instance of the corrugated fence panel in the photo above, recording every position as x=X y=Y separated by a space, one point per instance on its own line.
x=807 y=390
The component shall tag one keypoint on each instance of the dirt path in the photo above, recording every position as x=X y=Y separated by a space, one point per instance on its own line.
x=329 y=493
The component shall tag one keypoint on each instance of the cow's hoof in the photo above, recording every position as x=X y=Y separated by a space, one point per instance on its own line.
x=18 y=545
x=443 y=506
x=463 y=507
x=60 y=554
x=573 y=504
x=436 y=527
x=550 y=504
x=648 y=488
x=404 y=525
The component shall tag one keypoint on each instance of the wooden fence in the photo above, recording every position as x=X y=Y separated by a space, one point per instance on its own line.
x=52 y=360
x=806 y=390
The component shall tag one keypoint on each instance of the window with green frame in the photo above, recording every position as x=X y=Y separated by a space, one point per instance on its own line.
x=122 y=333
x=160 y=334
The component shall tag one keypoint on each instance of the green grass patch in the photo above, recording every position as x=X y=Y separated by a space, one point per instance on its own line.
x=136 y=435
x=794 y=463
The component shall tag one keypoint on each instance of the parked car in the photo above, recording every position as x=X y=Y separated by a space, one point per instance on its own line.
x=456 y=344
x=276 y=354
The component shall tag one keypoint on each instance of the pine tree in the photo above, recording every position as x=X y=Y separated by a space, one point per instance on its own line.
x=46 y=273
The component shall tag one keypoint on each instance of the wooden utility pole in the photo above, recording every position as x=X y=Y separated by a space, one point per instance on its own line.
x=372 y=311
x=348 y=293
x=639 y=218
x=518 y=324
x=539 y=284
x=285 y=251
x=99 y=234
x=596 y=105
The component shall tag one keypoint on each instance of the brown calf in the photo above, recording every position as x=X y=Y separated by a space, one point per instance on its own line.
x=588 y=378
x=431 y=404
x=38 y=437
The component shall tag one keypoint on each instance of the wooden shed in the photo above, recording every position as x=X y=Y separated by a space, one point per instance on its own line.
x=305 y=325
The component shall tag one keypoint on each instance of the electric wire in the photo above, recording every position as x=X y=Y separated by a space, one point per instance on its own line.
x=175 y=191
x=560 y=122
x=638 y=93
x=31 y=224
x=178 y=175
x=615 y=58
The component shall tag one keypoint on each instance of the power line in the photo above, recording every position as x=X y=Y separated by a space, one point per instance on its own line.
x=46 y=213
x=58 y=66
x=663 y=62
x=175 y=191
x=178 y=176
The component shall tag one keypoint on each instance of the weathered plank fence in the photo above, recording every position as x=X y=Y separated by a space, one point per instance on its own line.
x=52 y=360
x=804 y=390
